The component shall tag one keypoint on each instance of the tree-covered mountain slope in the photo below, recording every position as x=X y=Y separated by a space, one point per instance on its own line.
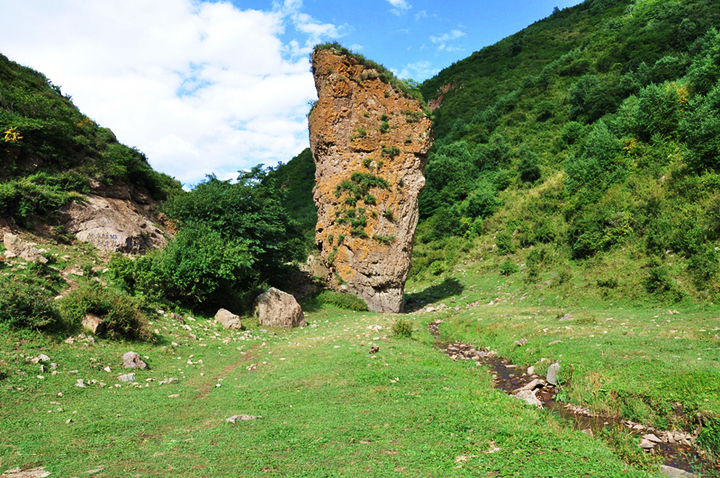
x=584 y=151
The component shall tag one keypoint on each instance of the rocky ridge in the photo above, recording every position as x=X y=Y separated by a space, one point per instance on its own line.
x=370 y=143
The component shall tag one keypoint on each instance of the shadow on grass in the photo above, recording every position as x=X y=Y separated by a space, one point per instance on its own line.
x=448 y=288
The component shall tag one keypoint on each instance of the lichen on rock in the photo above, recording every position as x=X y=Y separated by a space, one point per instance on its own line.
x=370 y=142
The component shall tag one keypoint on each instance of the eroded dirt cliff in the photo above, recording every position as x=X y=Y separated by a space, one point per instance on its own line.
x=370 y=143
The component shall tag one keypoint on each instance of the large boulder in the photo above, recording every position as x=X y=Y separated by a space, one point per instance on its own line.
x=111 y=224
x=16 y=247
x=279 y=309
x=228 y=319
x=370 y=142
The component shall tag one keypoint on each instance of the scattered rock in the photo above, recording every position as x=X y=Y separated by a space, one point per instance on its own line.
x=529 y=397
x=588 y=432
x=537 y=383
x=521 y=342
x=371 y=129
x=228 y=319
x=133 y=360
x=94 y=324
x=70 y=340
x=241 y=418
x=646 y=444
x=128 y=377
x=555 y=342
x=169 y=380
x=38 y=472
x=651 y=437
x=374 y=349
x=531 y=370
x=279 y=309
x=566 y=317
x=80 y=383
x=178 y=317
x=552 y=374
x=675 y=472
x=16 y=247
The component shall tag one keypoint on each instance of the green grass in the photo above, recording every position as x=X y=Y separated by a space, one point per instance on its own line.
x=328 y=408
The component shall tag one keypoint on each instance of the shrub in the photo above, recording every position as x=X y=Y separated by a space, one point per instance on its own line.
x=123 y=315
x=529 y=169
x=26 y=306
x=342 y=300
x=402 y=328
x=504 y=243
x=508 y=267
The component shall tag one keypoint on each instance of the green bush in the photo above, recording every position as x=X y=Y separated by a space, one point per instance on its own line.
x=402 y=328
x=342 y=300
x=508 y=267
x=26 y=306
x=122 y=314
x=504 y=243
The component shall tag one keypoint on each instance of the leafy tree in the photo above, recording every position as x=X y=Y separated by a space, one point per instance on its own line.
x=700 y=129
x=232 y=238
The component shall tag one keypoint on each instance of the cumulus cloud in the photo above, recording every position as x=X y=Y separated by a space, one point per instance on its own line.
x=445 y=38
x=419 y=71
x=399 y=6
x=200 y=87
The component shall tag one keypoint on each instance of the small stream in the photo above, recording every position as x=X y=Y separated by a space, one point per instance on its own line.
x=677 y=449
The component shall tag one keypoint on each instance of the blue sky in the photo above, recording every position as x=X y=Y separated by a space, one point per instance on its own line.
x=219 y=86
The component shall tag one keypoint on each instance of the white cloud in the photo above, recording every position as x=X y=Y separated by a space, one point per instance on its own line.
x=399 y=6
x=200 y=87
x=419 y=71
x=448 y=37
x=420 y=15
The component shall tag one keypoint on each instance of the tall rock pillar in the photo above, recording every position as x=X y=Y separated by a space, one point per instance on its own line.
x=370 y=143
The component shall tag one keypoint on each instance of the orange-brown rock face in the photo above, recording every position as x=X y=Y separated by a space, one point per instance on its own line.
x=370 y=145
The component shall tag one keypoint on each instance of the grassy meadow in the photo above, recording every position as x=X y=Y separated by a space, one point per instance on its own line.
x=326 y=407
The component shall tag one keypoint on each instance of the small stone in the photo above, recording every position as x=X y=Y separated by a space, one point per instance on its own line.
x=529 y=397
x=228 y=319
x=588 y=432
x=531 y=370
x=128 y=377
x=566 y=317
x=70 y=340
x=241 y=418
x=94 y=324
x=646 y=444
x=675 y=472
x=174 y=395
x=68 y=421
x=552 y=374
x=43 y=358
x=651 y=437
x=108 y=369
x=80 y=383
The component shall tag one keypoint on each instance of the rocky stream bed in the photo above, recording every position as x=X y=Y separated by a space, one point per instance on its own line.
x=682 y=458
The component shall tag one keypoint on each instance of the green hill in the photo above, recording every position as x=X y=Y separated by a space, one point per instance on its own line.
x=584 y=147
x=49 y=150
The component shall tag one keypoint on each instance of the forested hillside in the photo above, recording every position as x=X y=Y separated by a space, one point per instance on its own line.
x=583 y=147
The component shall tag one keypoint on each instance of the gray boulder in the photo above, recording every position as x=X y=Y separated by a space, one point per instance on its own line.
x=133 y=360
x=228 y=319
x=552 y=374
x=278 y=309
